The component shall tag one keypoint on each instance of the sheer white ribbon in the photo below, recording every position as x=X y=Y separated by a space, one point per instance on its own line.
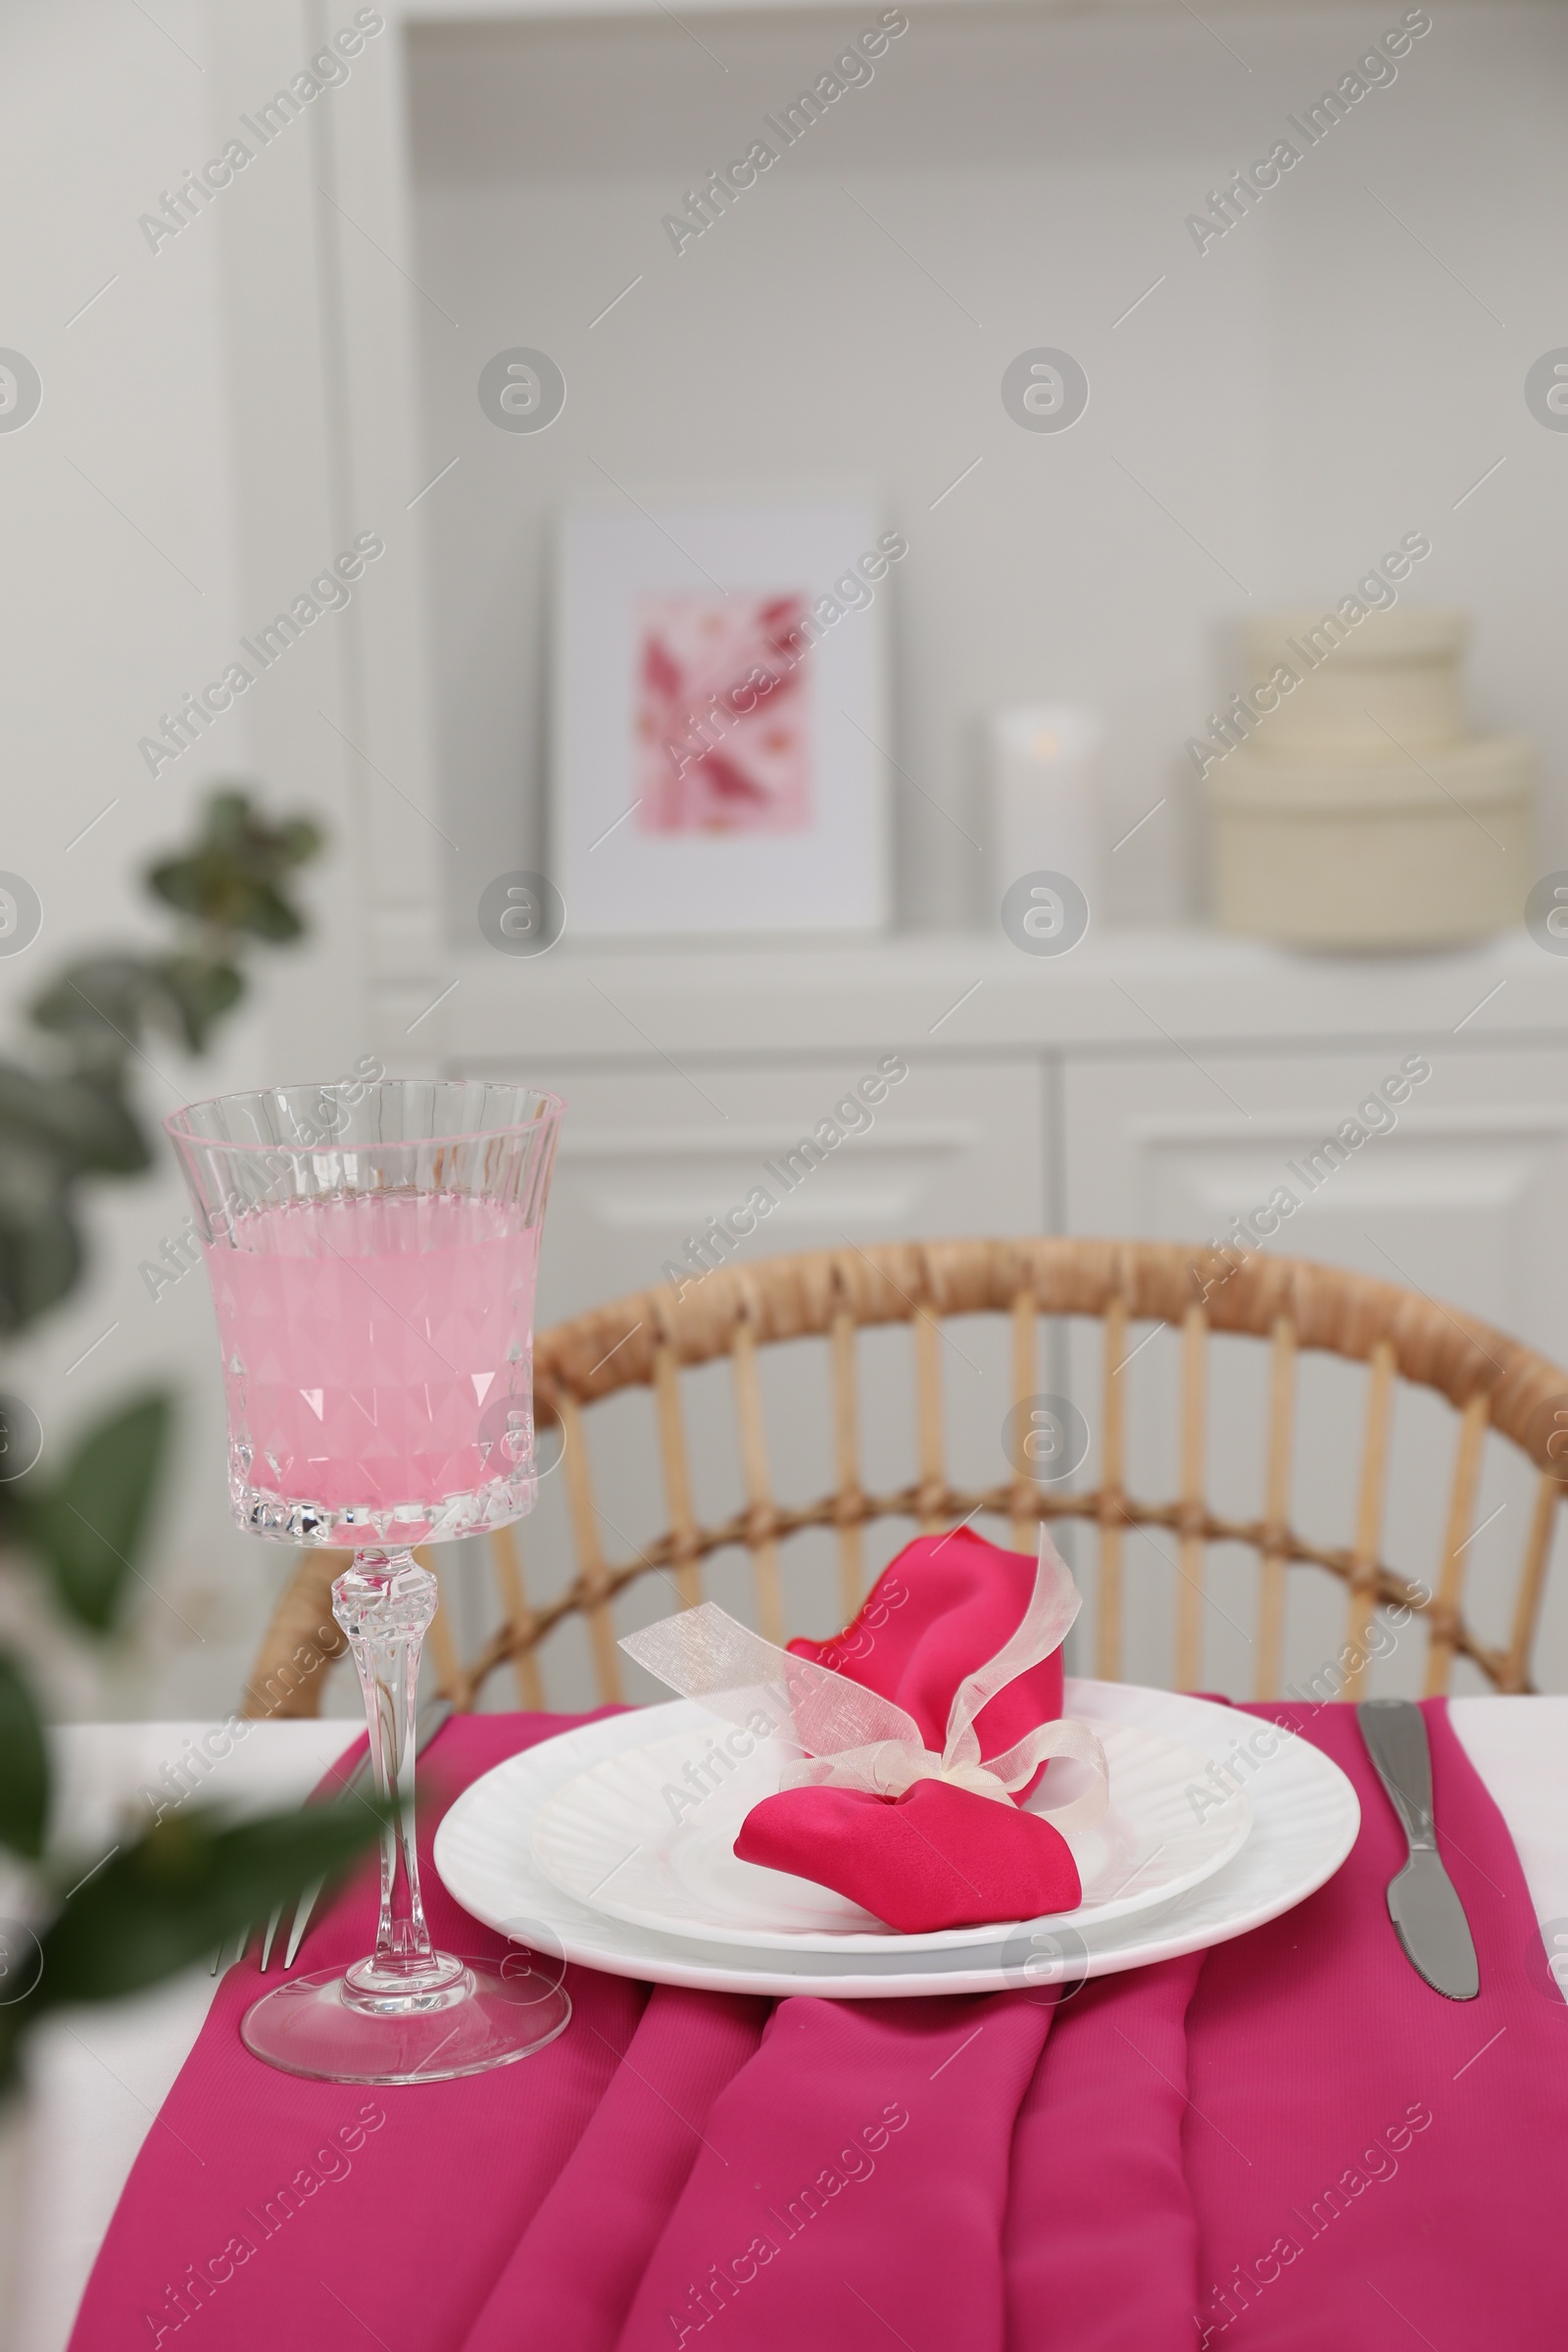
x=851 y=1738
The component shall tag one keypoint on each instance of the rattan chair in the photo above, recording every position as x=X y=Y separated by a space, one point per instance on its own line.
x=647 y=1341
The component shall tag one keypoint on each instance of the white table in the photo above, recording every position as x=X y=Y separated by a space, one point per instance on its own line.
x=100 y=2074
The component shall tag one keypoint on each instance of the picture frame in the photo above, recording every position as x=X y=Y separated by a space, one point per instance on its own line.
x=718 y=747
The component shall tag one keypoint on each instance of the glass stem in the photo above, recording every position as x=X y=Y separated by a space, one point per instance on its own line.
x=383 y=1604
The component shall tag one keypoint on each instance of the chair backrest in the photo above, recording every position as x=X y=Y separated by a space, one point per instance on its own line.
x=650 y=1341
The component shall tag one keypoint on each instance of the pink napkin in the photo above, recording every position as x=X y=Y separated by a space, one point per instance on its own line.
x=937 y=1856
x=1287 y=2143
x=943 y=1605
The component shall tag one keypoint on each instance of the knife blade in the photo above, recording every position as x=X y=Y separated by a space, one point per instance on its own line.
x=1423 y=1903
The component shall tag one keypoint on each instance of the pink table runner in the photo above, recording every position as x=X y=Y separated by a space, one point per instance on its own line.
x=1285 y=2143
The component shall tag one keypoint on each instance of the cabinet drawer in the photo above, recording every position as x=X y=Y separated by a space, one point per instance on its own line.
x=649 y=1156
x=1455 y=1190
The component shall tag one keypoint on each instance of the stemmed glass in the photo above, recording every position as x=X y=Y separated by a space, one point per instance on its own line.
x=372 y=1250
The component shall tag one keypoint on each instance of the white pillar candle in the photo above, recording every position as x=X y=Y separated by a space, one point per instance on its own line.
x=1044 y=817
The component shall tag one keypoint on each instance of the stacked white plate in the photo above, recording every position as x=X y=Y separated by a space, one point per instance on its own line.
x=613 y=1845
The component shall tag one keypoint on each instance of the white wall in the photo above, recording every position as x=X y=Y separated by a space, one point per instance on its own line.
x=126 y=582
x=1291 y=401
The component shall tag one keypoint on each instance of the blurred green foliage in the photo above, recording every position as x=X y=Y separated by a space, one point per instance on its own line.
x=164 y=1897
x=153 y=1904
x=72 y=1118
x=86 y=1527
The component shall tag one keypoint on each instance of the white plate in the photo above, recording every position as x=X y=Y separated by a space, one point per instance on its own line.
x=627 y=1837
x=1304 y=1822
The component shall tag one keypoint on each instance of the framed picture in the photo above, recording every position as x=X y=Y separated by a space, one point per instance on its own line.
x=721 y=723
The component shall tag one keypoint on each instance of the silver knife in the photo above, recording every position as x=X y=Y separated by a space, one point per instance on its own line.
x=1427 y=1913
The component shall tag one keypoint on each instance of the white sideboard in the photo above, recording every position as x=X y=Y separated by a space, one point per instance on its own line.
x=1147 y=1082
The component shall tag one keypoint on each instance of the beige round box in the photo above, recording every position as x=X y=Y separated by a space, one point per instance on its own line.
x=1345 y=853
x=1379 y=686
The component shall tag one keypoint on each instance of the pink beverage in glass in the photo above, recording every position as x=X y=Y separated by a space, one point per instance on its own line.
x=378 y=1361
x=373 y=1247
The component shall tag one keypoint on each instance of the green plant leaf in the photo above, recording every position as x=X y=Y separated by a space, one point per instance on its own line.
x=40 y=1251
x=98 y=1126
x=160 y=1904
x=200 y=991
x=229 y=880
x=24 y=1764
x=88 y=1525
x=85 y=1124
x=98 y=1006
x=226 y=899
x=263 y=910
x=235 y=828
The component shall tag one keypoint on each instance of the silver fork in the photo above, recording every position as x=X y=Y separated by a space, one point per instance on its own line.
x=429 y=1723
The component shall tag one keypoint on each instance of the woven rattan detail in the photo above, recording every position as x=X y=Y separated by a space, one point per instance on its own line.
x=1293 y=1306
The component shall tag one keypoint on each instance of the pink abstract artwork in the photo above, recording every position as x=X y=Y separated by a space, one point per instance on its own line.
x=723 y=732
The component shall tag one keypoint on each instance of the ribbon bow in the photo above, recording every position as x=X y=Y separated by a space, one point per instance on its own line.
x=853 y=1738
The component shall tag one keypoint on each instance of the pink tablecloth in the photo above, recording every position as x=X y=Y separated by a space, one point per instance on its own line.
x=1286 y=2143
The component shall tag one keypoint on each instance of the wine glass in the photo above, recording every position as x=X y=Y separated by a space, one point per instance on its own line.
x=373 y=1249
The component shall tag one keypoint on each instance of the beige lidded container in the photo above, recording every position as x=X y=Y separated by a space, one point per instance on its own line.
x=1361 y=813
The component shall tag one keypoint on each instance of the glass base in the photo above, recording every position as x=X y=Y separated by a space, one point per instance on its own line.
x=476 y=2018
x=351 y=1527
